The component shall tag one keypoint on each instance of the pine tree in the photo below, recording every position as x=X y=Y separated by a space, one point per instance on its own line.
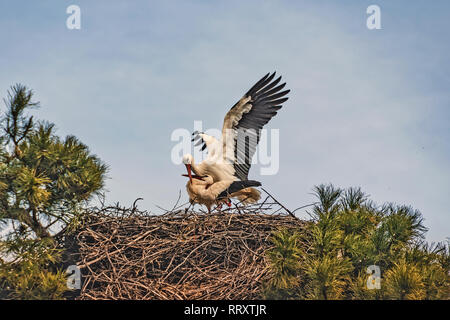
x=347 y=234
x=29 y=274
x=44 y=180
x=325 y=266
x=284 y=258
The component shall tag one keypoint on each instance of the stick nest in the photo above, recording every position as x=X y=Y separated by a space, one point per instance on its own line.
x=130 y=254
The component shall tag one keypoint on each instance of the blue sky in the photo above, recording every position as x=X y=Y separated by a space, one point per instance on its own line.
x=368 y=108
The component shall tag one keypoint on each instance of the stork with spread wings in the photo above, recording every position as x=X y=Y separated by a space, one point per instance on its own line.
x=224 y=172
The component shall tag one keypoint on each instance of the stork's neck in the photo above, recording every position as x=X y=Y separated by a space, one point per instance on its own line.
x=194 y=167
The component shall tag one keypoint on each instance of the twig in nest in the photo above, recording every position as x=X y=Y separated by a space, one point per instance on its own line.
x=287 y=210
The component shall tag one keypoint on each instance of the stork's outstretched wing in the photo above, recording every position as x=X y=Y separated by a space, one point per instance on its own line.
x=243 y=123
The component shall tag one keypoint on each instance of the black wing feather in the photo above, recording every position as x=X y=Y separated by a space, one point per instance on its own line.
x=237 y=186
x=200 y=141
x=266 y=99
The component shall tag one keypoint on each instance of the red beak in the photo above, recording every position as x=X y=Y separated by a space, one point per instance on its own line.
x=188 y=167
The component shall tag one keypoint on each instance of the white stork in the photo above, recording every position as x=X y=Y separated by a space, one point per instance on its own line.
x=229 y=160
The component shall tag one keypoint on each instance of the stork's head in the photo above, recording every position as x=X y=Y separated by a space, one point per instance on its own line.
x=187 y=160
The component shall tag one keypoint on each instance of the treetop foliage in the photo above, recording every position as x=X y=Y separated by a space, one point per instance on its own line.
x=347 y=234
